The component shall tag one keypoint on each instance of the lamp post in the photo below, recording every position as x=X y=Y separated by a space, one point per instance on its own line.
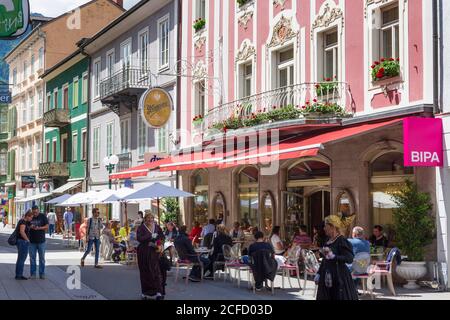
x=110 y=164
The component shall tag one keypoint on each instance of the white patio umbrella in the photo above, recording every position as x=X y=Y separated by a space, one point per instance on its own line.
x=157 y=191
x=59 y=199
x=100 y=196
x=117 y=196
x=80 y=199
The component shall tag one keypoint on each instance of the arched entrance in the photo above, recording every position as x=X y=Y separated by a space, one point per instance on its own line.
x=219 y=207
x=307 y=195
x=200 y=210
x=248 y=196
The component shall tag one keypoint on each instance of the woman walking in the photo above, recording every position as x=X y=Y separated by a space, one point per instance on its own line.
x=23 y=243
x=153 y=278
x=334 y=279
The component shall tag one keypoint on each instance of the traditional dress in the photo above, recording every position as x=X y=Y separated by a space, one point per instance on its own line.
x=335 y=282
x=153 y=278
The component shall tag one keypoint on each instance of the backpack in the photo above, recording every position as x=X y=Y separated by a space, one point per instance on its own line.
x=12 y=240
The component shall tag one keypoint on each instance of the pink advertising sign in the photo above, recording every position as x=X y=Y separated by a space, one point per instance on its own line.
x=423 y=139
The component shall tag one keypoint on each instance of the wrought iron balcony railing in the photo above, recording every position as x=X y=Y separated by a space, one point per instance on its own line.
x=125 y=161
x=53 y=169
x=123 y=80
x=56 y=118
x=299 y=96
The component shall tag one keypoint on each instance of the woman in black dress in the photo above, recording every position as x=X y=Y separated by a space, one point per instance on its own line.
x=150 y=236
x=334 y=279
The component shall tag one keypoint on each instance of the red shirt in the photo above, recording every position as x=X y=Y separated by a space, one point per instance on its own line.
x=196 y=232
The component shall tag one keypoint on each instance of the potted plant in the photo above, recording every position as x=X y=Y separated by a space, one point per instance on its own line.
x=385 y=68
x=414 y=229
x=199 y=24
x=197 y=121
x=241 y=2
x=326 y=87
x=318 y=109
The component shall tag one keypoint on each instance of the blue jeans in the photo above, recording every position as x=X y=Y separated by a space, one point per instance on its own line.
x=22 y=253
x=196 y=270
x=92 y=242
x=51 y=229
x=40 y=249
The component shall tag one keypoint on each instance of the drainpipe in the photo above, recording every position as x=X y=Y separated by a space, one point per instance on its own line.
x=88 y=119
x=436 y=57
x=179 y=9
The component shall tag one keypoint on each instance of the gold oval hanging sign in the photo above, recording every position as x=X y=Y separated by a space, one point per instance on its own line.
x=156 y=107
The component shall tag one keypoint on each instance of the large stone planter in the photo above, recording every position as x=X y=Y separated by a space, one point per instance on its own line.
x=411 y=272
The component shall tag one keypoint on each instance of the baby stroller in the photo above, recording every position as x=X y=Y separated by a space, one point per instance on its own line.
x=119 y=251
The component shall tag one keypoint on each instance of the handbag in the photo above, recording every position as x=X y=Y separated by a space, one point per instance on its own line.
x=12 y=240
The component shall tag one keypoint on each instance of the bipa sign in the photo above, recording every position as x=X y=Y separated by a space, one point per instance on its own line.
x=423 y=138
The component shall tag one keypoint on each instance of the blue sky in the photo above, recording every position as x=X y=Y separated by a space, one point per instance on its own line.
x=53 y=8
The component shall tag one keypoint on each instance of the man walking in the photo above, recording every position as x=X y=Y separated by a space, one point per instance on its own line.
x=94 y=230
x=51 y=222
x=39 y=226
x=68 y=219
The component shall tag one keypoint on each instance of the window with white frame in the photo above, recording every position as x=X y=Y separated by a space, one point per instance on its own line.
x=162 y=139
x=163 y=43
x=84 y=88
x=74 y=146
x=55 y=99
x=83 y=144
x=49 y=102
x=390 y=26
x=330 y=54
x=31 y=105
x=285 y=68
x=25 y=69
x=41 y=58
x=110 y=139
x=142 y=137
x=97 y=69
x=75 y=93
x=40 y=102
x=200 y=99
x=96 y=147
x=23 y=157
x=38 y=151
x=30 y=155
x=24 y=113
x=143 y=50
x=125 y=135
x=110 y=61
x=47 y=150
x=54 y=149
x=125 y=53
x=66 y=97
x=200 y=9
x=32 y=64
x=247 y=76
x=14 y=76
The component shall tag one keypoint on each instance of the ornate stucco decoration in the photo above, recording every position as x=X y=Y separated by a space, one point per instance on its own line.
x=378 y=2
x=200 y=70
x=282 y=32
x=246 y=51
x=279 y=3
x=245 y=18
x=328 y=16
x=200 y=42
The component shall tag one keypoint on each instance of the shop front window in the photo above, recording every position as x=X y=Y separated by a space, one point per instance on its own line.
x=388 y=176
x=201 y=199
x=249 y=197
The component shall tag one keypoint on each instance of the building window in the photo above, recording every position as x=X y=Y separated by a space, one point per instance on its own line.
x=110 y=59
x=25 y=69
x=83 y=144
x=249 y=197
x=47 y=151
x=142 y=137
x=125 y=136
x=143 y=50
x=330 y=55
x=32 y=64
x=14 y=77
x=40 y=102
x=200 y=12
x=285 y=68
x=3 y=120
x=55 y=99
x=66 y=98
x=125 y=53
x=49 y=102
x=200 y=99
x=201 y=199
x=247 y=75
x=24 y=113
x=74 y=146
x=75 y=93
x=54 y=150
x=389 y=44
x=109 y=139
x=164 y=43
x=31 y=105
x=38 y=151
x=97 y=66
x=162 y=139
x=84 y=88
x=41 y=58
x=22 y=157
x=30 y=155
x=96 y=147
x=3 y=163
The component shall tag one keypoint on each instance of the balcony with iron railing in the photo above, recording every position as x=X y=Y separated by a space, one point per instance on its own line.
x=125 y=161
x=53 y=169
x=306 y=103
x=56 y=118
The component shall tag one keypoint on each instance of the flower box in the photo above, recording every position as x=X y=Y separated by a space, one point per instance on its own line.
x=199 y=24
x=385 y=69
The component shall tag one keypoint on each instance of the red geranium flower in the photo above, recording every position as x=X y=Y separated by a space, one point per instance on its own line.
x=315 y=100
x=391 y=59
x=376 y=63
x=382 y=59
x=373 y=66
x=398 y=59
x=317 y=86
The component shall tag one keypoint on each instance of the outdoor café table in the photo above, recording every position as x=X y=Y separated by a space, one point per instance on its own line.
x=377 y=256
x=202 y=250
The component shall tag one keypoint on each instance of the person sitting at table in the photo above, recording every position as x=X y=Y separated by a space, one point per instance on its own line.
x=195 y=233
x=262 y=261
x=208 y=232
x=359 y=244
x=301 y=237
x=187 y=252
x=237 y=233
x=171 y=232
x=320 y=237
x=221 y=239
x=378 y=239
x=276 y=242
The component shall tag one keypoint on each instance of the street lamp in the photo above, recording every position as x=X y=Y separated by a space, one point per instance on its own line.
x=110 y=163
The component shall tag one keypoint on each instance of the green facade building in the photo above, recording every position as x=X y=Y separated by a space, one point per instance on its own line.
x=65 y=124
